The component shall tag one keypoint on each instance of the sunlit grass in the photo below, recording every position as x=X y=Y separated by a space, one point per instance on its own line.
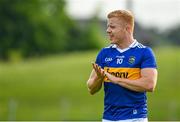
x=54 y=88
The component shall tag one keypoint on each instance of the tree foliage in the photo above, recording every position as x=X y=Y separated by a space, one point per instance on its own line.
x=174 y=35
x=38 y=27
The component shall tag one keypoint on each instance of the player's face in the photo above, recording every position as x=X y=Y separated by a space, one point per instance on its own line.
x=115 y=30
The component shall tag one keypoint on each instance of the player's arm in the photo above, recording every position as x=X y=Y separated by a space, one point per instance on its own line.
x=95 y=80
x=147 y=82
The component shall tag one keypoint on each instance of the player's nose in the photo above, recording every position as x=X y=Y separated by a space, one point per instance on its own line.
x=108 y=30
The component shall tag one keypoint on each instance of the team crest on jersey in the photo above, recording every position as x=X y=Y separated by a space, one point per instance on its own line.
x=131 y=60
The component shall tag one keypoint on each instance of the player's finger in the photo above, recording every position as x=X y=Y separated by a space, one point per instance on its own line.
x=100 y=70
x=94 y=67
x=97 y=67
x=102 y=73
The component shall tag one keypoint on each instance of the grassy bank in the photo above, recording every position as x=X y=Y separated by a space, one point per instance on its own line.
x=54 y=88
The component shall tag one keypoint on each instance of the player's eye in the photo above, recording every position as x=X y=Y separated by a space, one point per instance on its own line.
x=111 y=26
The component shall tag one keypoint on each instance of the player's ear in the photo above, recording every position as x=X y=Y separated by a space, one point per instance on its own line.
x=128 y=28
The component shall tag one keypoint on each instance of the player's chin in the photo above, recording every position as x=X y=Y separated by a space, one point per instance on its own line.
x=112 y=41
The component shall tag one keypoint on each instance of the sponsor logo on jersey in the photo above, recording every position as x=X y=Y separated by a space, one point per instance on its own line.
x=118 y=74
x=128 y=73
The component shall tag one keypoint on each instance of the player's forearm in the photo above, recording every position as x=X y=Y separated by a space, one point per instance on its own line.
x=145 y=83
x=140 y=85
x=131 y=87
x=94 y=85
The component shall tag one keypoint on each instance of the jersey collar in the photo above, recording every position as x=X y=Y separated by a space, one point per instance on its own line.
x=134 y=44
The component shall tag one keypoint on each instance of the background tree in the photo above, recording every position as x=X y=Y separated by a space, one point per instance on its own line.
x=38 y=27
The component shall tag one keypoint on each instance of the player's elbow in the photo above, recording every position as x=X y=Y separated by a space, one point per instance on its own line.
x=151 y=86
x=89 y=85
x=92 y=92
x=150 y=89
x=90 y=88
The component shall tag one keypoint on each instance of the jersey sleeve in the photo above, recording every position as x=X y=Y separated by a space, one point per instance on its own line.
x=149 y=60
x=99 y=58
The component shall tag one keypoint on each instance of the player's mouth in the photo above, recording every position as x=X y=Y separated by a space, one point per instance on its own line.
x=110 y=37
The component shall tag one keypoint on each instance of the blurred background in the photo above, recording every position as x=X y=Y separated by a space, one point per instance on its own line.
x=46 y=50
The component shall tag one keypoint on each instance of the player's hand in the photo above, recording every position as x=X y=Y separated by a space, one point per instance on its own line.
x=99 y=71
x=112 y=78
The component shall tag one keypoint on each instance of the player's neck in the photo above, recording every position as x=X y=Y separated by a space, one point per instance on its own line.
x=125 y=43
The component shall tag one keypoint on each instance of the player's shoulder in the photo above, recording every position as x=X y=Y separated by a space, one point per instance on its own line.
x=138 y=45
x=135 y=44
x=108 y=48
x=144 y=51
x=141 y=47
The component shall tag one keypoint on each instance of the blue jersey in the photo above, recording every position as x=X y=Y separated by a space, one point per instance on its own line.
x=121 y=103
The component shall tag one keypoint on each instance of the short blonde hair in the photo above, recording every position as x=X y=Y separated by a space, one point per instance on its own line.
x=124 y=15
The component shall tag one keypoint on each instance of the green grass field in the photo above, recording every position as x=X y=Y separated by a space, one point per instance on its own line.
x=54 y=88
